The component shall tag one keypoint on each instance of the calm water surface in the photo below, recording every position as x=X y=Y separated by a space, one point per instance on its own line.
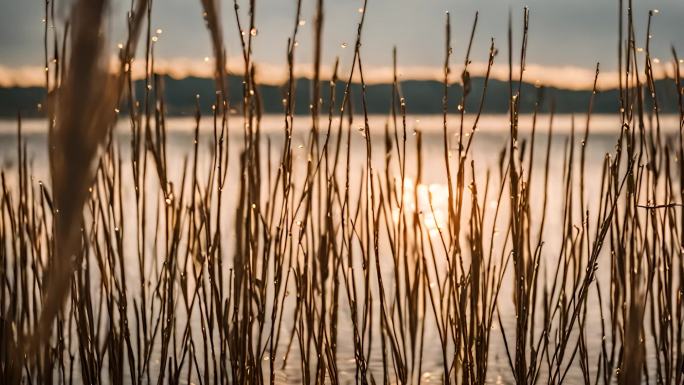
x=490 y=139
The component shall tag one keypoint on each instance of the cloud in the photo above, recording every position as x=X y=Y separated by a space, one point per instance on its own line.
x=25 y=76
x=568 y=77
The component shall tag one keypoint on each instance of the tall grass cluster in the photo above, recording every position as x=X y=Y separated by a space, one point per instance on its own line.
x=131 y=267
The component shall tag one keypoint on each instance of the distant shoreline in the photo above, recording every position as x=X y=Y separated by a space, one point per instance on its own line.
x=423 y=97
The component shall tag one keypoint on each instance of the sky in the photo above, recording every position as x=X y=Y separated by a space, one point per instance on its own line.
x=566 y=37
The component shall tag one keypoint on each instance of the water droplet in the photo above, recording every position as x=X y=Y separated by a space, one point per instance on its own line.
x=253 y=31
x=343 y=45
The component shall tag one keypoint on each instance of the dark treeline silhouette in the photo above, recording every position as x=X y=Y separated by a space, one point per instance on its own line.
x=422 y=97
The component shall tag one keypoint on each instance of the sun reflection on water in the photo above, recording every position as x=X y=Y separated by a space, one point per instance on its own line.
x=429 y=201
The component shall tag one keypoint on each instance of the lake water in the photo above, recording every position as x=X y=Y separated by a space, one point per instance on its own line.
x=490 y=139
